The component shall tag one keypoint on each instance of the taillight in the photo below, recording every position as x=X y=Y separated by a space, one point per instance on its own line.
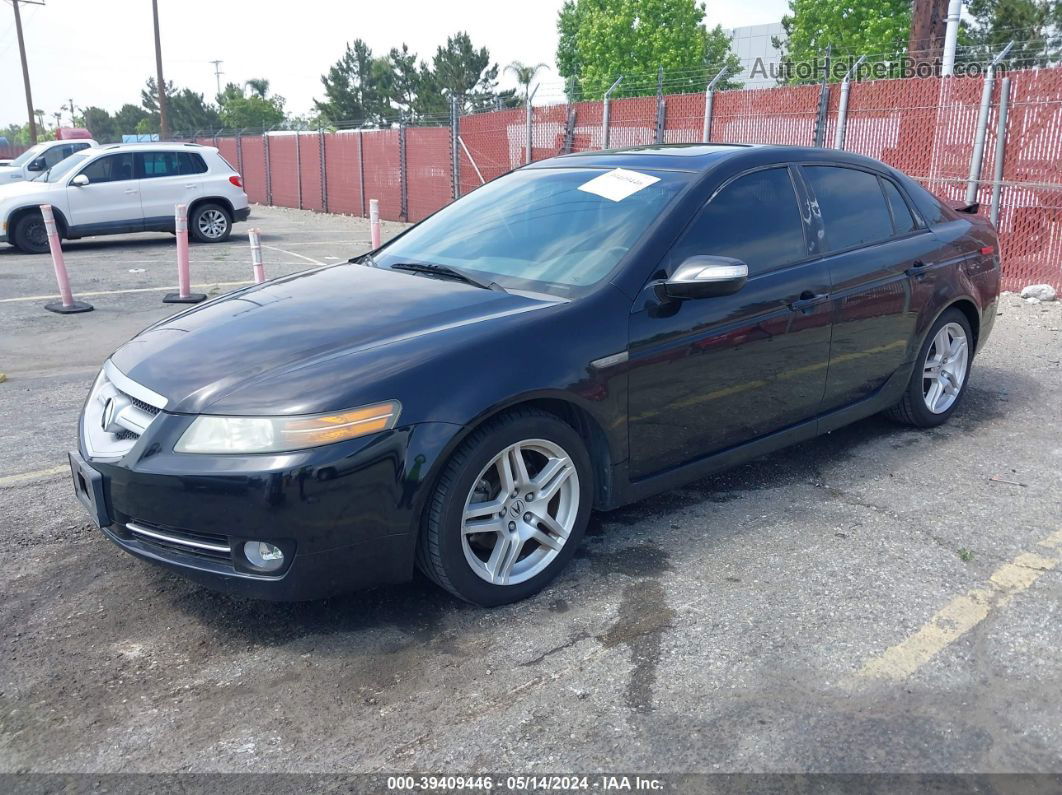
x=988 y=250
x=235 y=180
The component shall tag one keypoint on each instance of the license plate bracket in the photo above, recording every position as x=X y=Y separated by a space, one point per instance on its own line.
x=88 y=486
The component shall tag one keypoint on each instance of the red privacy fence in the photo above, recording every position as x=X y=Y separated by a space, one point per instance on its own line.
x=923 y=126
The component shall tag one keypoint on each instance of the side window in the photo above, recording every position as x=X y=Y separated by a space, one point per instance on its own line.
x=852 y=206
x=57 y=153
x=190 y=163
x=754 y=219
x=158 y=164
x=902 y=219
x=113 y=168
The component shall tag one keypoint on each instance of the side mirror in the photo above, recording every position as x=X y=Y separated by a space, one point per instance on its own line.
x=79 y=181
x=703 y=277
x=36 y=165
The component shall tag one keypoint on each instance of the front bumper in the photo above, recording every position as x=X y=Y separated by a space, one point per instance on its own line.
x=345 y=515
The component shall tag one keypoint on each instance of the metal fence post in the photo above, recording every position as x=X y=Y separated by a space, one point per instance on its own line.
x=403 y=176
x=455 y=155
x=361 y=168
x=661 y=104
x=824 y=102
x=268 y=167
x=842 y=108
x=709 y=94
x=1001 y=142
x=978 y=153
x=324 y=170
x=298 y=163
x=569 y=130
x=530 y=125
x=605 y=112
x=239 y=155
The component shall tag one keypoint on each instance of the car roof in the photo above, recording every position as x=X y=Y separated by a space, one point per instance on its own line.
x=154 y=146
x=701 y=157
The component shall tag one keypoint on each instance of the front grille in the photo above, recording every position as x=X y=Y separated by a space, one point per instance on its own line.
x=187 y=542
x=117 y=414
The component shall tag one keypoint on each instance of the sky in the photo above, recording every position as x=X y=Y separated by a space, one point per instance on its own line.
x=100 y=52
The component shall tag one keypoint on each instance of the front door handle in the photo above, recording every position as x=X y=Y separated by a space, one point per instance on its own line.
x=807 y=300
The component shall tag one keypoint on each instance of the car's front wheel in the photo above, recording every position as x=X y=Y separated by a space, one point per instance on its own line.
x=30 y=234
x=509 y=509
x=210 y=223
x=938 y=382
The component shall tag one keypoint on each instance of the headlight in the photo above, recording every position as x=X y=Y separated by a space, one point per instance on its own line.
x=208 y=434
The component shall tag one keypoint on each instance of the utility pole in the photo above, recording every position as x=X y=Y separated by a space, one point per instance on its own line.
x=218 y=73
x=164 y=120
x=928 y=22
x=25 y=67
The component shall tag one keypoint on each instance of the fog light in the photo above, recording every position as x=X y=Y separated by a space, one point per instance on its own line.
x=263 y=555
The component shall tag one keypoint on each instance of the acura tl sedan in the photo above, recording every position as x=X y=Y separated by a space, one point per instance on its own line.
x=576 y=335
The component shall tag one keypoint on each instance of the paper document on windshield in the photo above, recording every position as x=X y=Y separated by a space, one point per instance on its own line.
x=618 y=184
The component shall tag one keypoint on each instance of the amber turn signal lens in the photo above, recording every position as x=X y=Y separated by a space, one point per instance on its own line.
x=328 y=428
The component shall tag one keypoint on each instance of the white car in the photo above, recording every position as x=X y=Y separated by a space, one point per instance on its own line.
x=119 y=188
x=37 y=159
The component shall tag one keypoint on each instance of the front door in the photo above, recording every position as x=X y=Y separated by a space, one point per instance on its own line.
x=111 y=200
x=710 y=373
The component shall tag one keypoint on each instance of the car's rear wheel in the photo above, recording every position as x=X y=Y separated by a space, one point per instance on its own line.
x=210 y=223
x=942 y=368
x=30 y=234
x=509 y=509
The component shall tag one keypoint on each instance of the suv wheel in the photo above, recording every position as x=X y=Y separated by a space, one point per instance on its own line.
x=509 y=510
x=941 y=371
x=30 y=234
x=210 y=223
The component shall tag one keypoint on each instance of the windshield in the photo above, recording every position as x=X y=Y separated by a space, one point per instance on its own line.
x=65 y=166
x=28 y=155
x=546 y=230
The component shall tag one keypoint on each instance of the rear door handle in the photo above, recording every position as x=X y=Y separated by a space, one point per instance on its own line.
x=918 y=267
x=807 y=300
x=190 y=187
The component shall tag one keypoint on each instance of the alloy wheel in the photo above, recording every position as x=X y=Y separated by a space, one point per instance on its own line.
x=944 y=370
x=213 y=223
x=520 y=511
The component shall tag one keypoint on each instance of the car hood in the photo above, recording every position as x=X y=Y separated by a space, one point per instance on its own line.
x=250 y=338
x=21 y=189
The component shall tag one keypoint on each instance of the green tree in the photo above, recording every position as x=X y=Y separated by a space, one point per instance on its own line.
x=127 y=118
x=254 y=110
x=101 y=124
x=188 y=111
x=259 y=86
x=878 y=29
x=460 y=70
x=600 y=40
x=524 y=74
x=995 y=23
x=355 y=88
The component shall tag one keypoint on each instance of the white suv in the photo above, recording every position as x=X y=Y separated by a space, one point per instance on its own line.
x=41 y=157
x=121 y=188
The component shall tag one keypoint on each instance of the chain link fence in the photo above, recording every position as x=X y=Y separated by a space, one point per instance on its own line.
x=925 y=127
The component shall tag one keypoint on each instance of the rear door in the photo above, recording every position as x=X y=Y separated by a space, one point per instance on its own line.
x=874 y=245
x=111 y=200
x=711 y=373
x=166 y=180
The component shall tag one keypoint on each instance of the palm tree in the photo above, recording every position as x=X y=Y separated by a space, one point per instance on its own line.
x=259 y=86
x=525 y=74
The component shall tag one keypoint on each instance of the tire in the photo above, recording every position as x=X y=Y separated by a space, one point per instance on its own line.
x=471 y=565
x=946 y=390
x=210 y=223
x=30 y=234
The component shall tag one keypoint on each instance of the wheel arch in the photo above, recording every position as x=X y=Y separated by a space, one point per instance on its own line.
x=19 y=213
x=225 y=205
x=968 y=307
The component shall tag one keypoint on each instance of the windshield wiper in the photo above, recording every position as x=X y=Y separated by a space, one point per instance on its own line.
x=447 y=272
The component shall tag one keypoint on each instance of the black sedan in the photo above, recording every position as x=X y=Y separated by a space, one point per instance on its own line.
x=576 y=335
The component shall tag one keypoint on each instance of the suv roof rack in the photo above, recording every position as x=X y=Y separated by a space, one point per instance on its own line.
x=152 y=143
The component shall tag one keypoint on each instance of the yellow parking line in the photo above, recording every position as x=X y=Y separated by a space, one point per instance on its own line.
x=963 y=613
x=40 y=474
x=130 y=290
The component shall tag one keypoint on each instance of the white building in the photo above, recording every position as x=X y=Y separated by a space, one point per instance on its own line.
x=752 y=44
